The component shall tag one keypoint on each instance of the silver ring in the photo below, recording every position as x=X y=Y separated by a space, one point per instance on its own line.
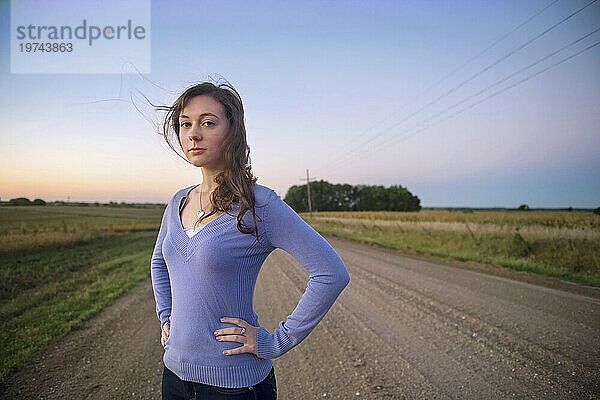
x=243 y=330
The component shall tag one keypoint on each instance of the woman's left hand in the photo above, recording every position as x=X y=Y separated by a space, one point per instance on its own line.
x=234 y=334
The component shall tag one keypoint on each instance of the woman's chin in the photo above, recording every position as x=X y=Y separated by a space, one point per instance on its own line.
x=195 y=161
x=198 y=162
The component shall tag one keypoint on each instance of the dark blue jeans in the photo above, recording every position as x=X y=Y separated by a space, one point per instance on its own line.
x=173 y=388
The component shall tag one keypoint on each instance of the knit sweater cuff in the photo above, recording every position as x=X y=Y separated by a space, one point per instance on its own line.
x=265 y=344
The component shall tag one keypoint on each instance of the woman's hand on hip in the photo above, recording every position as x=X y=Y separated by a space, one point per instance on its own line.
x=166 y=331
x=242 y=333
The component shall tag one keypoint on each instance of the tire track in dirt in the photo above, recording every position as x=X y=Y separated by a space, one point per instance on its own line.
x=467 y=340
x=515 y=364
x=346 y=354
x=406 y=327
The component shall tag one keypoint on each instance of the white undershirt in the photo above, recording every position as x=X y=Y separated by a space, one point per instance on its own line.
x=191 y=231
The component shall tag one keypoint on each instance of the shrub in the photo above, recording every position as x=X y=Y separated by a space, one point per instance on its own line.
x=518 y=246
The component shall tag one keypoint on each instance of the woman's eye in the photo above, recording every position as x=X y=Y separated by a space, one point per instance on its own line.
x=205 y=122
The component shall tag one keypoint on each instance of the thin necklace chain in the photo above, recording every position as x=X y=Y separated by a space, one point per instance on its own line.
x=200 y=212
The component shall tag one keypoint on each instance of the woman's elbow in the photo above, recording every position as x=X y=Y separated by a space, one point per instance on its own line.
x=343 y=277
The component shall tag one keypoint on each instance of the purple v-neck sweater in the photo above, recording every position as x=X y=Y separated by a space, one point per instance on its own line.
x=199 y=279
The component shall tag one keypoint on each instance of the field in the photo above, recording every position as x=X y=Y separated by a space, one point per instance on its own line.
x=562 y=244
x=60 y=265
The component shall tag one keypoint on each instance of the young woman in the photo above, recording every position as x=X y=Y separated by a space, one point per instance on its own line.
x=213 y=239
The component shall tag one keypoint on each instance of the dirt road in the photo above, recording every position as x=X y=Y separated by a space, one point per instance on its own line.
x=407 y=326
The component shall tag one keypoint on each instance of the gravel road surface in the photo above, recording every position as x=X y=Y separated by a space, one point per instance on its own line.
x=407 y=326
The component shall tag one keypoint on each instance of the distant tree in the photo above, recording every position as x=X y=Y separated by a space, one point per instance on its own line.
x=20 y=201
x=39 y=202
x=343 y=197
x=400 y=199
x=296 y=198
x=523 y=207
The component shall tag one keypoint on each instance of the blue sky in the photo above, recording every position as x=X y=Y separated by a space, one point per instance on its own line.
x=333 y=87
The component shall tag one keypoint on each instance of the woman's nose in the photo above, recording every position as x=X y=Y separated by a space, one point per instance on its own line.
x=194 y=133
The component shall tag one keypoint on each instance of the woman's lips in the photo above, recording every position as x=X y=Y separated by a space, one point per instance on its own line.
x=197 y=151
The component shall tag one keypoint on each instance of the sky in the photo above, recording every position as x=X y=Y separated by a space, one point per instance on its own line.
x=357 y=92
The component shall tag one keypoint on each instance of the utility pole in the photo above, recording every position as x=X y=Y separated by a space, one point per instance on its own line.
x=307 y=179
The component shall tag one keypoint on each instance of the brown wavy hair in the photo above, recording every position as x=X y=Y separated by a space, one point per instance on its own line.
x=235 y=182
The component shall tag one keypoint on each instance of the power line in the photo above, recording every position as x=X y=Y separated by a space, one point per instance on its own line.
x=446 y=77
x=346 y=154
x=519 y=82
x=500 y=91
x=375 y=149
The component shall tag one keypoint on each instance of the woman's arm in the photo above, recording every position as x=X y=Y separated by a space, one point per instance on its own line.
x=161 y=283
x=285 y=229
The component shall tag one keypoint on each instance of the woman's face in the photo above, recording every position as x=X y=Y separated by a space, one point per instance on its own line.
x=203 y=125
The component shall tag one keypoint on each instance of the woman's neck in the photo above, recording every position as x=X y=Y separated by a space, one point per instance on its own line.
x=208 y=180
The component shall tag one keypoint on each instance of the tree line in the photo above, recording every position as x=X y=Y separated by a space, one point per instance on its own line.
x=24 y=201
x=326 y=196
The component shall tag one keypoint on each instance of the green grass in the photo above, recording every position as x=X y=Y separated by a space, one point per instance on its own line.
x=50 y=289
x=576 y=260
x=27 y=228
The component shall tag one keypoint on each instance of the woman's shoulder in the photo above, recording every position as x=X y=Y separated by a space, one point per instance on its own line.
x=262 y=194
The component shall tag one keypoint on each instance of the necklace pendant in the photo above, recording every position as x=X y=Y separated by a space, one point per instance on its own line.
x=200 y=213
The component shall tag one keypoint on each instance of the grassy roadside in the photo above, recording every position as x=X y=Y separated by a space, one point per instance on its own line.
x=575 y=260
x=45 y=293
